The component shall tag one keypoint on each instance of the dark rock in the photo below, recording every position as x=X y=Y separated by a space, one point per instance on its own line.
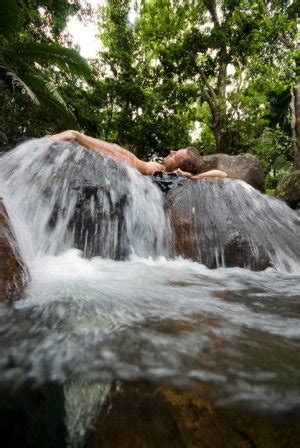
x=33 y=418
x=14 y=274
x=245 y=167
x=146 y=415
x=100 y=188
x=288 y=189
x=92 y=224
x=208 y=225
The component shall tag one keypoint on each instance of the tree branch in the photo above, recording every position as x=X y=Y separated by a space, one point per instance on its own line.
x=209 y=100
x=212 y=8
x=205 y=80
x=222 y=79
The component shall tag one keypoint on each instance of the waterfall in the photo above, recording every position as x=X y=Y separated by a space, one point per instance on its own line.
x=62 y=195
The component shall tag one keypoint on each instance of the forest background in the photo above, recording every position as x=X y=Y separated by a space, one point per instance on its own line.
x=214 y=74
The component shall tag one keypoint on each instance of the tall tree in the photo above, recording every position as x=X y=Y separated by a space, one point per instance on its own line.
x=296 y=112
x=200 y=42
x=141 y=106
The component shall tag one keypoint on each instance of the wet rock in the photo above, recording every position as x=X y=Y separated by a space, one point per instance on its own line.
x=98 y=210
x=99 y=187
x=146 y=415
x=288 y=189
x=33 y=418
x=13 y=271
x=245 y=167
x=209 y=225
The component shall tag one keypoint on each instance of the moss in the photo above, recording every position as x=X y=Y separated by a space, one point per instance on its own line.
x=270 y=191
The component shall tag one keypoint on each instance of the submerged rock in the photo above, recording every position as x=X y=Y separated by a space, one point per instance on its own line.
x=288 y=189
x=146 y=415
x=33 y=418
x=139 y=414
x=245 y=167
x=225 y=222
x=13 y=271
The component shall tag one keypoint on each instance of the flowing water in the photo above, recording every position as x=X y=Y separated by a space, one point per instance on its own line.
x=229 y=223
x=134 y=312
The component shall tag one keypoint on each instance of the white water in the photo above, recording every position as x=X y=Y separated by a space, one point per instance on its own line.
x=146 y=316
x=37 y=183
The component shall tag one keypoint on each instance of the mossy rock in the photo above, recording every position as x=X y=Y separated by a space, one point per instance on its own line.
x=14 y=274
x=288 y=188
x=145 y=415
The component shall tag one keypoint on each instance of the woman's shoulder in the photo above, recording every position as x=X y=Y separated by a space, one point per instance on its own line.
x=151 y=167
x=155 y=166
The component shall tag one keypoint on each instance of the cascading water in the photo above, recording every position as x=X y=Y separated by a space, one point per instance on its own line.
x=46 y=184
x=227 y=222
x=63 y=196
x=128 y=311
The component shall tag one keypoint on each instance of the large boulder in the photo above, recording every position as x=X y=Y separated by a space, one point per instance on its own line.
x=288 y=189
x=224 y=222
x=146 y=415
x=13 y=271
x=100 y=205
x=245 y=167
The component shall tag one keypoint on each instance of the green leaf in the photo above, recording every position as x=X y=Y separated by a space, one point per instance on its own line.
x=51 y=54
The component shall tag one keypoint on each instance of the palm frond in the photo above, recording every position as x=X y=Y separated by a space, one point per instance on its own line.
x=27 y=62
x=18 y=82
x=49 y=96
x=11 y=61
x=44 y=94
x=55 y=95
x=51 y=54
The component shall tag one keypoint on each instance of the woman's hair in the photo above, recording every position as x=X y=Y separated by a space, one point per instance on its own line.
x=193 y=163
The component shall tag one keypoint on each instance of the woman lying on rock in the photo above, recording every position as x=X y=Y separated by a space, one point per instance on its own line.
x=186 y=162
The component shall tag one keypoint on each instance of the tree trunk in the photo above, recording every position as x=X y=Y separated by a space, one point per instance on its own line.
x=296 y=116
x=219 y=128
x=296 y=124
x=216 y=99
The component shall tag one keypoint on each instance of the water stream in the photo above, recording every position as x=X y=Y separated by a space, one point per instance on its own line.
x=129 y=310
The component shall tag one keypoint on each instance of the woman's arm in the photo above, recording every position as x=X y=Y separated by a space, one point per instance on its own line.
x=97 y=145
x=110 y=149
x=211 y=173
x=183 y=173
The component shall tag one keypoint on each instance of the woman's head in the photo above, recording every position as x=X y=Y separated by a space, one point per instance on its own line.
x=187 y=159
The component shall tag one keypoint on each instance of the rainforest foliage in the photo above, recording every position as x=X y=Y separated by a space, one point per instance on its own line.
x=215 y=74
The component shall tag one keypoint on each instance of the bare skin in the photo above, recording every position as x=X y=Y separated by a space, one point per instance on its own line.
x=170 y=163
